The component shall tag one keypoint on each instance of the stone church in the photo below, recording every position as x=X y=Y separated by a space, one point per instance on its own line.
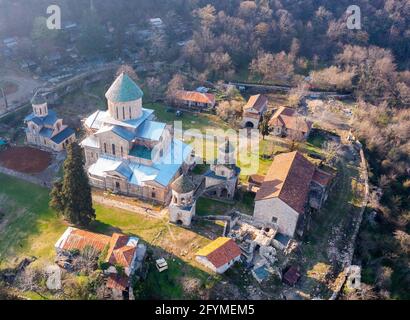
x=44 y=129
x=222 y=178
x=129 y=153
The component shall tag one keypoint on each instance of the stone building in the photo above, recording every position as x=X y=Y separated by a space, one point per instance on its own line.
x=219 y=255
x=290 y=187
x=120 y=251
x=45 y=129
x=183 y=204
x=222 y=178
x=195 y=100
x=287 y=122
x=254 y=110
x=127 y=152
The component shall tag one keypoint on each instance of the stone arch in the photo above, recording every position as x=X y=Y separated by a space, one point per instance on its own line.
x=249 y=124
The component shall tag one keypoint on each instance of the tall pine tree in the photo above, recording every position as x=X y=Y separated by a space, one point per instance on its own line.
x=73 y=198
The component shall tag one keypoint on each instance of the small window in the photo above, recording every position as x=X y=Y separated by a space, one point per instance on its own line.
x=153 y=195
x=122 y=151
x=123 y=112
x=222 y=173
x=274 y=219
x=129 y=109
x=117 y=185
x=113 y=149
x=117 y=112
x=105 y=147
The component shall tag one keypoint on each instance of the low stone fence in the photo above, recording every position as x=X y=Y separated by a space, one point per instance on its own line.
x=127 y=206
x=25 y=177
x=348 y=262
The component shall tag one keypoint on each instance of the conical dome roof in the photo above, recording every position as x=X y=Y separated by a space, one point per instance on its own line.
x=183 y=185
x=38 y=99
x=124 y=89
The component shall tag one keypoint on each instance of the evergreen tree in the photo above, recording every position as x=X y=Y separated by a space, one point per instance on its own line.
x=73 y=198
x=264 y=126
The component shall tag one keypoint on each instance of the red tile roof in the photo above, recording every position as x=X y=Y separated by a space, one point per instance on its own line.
x=119 y=253
x=288 y=118
x=288 y=179
x=195 y=96
x=256 y=179
x=322 y=178
x=291 y=276
x=221 y=251
x=79 y=239
x=256 y=102
x=117 y=282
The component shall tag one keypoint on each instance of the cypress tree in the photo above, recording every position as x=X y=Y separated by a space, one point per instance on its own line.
x=73 y=197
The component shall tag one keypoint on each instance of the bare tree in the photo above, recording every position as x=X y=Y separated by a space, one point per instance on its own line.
x=128 y=70
x=177 y=83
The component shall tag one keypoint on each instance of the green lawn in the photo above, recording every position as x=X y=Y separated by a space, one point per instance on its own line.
x=30 y=228
x=200 y=121
x=244 y=202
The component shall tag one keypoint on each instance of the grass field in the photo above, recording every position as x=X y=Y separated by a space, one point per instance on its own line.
x=30 y=228
x=199 y=121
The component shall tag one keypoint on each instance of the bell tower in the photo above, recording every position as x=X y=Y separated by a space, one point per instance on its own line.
x=183 y=203
x=39 y=104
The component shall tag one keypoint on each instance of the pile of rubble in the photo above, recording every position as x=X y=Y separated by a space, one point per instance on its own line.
x=257 y=246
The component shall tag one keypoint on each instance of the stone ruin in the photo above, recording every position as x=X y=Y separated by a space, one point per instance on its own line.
x=257 y=245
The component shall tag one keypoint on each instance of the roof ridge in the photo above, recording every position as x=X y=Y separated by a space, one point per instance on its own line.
x=292 y=162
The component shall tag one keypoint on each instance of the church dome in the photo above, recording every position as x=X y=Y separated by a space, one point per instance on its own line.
x=124 y=89
x=38 y=99
x=183 y=185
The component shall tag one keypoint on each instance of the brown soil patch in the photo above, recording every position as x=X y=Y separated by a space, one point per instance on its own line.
x=8 y=87
x=25 y=159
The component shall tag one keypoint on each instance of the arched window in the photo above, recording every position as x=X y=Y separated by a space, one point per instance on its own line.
x=113 y=149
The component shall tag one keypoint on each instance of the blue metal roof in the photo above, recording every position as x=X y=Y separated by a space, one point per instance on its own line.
x=150 y=130
x=161 y=172
x=124 y=89
x=123 y=133
x=46 y=132
x=141 y=152
x=60 y=137
x=146 y=113
x=49 y=120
